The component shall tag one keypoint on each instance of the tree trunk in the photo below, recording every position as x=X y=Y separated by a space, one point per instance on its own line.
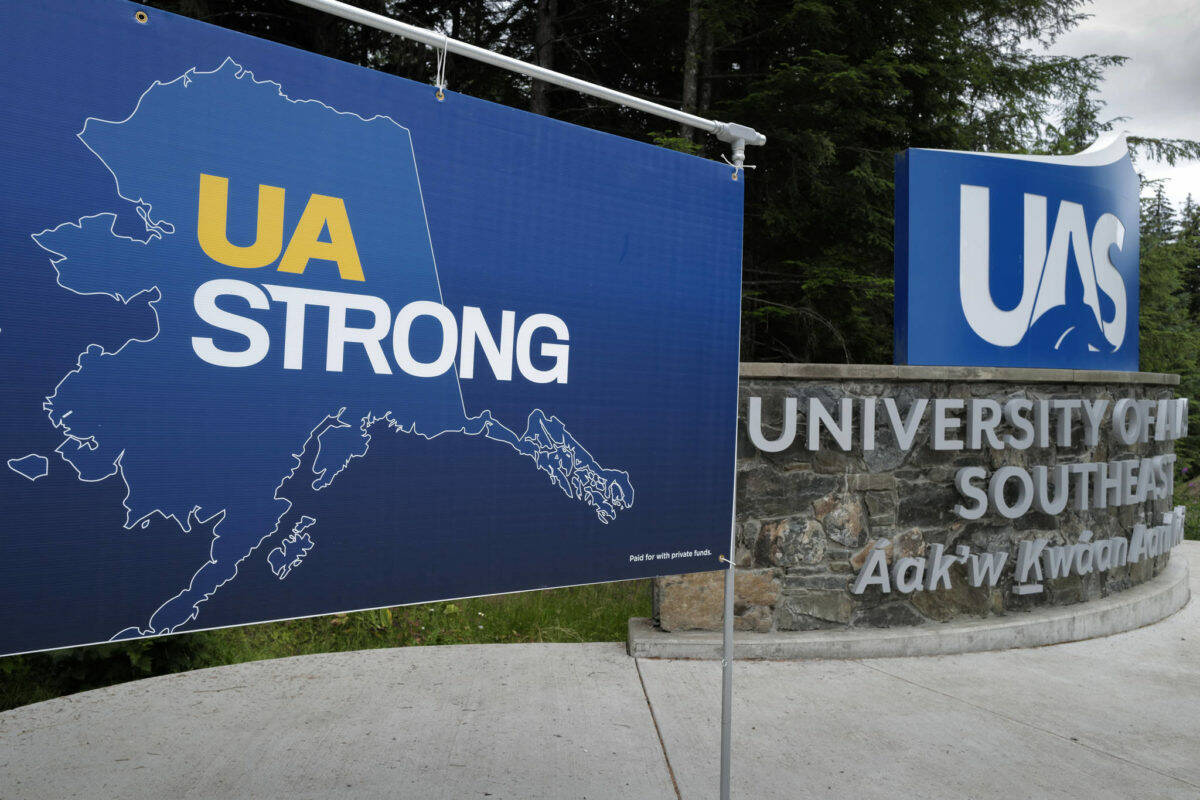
x=543 y=44
x=706 y=82
x=691 y=67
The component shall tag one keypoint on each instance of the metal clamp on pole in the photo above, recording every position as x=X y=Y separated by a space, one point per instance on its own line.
x=440 y=80
x=739 y=158
x=725 y=131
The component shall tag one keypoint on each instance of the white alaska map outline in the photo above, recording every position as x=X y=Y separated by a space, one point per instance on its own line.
x=17 y=465
x=546 y=440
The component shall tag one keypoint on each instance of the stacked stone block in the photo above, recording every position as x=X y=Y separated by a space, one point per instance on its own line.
x=806 y=520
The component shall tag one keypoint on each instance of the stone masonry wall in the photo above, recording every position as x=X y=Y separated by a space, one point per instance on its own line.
x=805 y=520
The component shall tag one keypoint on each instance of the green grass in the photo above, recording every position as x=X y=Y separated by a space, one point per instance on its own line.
x=1188 y=495
x=596 y=613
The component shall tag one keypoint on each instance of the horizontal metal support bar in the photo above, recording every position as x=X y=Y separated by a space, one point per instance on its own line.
x=725 y=131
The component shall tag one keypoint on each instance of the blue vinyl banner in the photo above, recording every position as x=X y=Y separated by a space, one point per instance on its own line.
x=1017 y=261
x=283 y=336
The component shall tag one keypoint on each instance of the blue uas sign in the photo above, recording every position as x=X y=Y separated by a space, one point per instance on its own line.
x=1017 y=261
x=283 y=336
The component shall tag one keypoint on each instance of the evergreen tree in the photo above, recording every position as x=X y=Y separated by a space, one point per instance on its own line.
x=1189 y=235
x=1169 y=331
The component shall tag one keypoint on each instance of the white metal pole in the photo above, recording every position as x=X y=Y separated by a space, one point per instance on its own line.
x=727 y=680
x=739 y=136
x=725 y=131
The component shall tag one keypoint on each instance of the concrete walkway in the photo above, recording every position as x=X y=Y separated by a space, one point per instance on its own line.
x=1117 y=717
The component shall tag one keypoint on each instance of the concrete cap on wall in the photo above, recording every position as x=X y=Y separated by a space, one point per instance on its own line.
x=756 y=369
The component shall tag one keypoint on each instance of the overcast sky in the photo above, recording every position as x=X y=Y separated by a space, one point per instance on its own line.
x=1159 y=87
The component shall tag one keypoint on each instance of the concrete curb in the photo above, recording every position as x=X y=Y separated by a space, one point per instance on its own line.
x=1141 y=605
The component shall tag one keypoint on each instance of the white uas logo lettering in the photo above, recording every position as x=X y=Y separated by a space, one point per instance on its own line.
x=1044 y=286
